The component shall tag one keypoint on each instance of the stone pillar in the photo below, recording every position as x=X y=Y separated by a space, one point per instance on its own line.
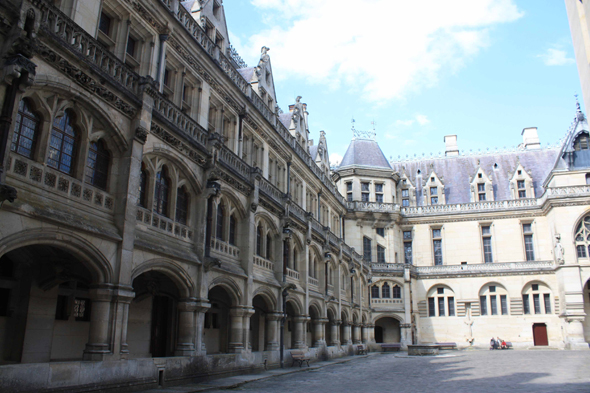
x=298 y=330
x=185 y=345
x=346 y=339
x=236 y=330
x=98 y=345
x=272 y=331
x=334 y=329
x=574 y=333
x=365 y=334
x=406 y=334
x=248 y=312
x=122 y=298
x=199 y=318
x=371 y=329
x=318 y=330
x=357 y=333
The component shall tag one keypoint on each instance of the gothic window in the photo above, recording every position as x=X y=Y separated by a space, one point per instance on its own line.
x=582 y=238
x=375 y=292
x=380 y=231
x=481 y=191
x=408 y=247
x=540 y=295
x=219 y=228
x=25 y=131
x=581 y=142
x=396 y=292
x=232 y=230
x=385 y=291
x=63 y=143
x=520 y=184
x=182 y=199
x=97 y=165
x=493 y=300
x=527 y=230
x=365 y=191
x=437 y=246
x=405 y=197
x=367 y=248
x=259 y=240
x=486 y=238
x=162 y=192
x=143 y=179
x=379 y=193
x=104 y=25
x=294 y=265
x=441 y=302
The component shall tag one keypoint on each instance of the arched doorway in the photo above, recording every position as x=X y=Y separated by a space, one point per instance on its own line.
x=153 y=316
x=260 y=324
x=387 y=330
x=314 y=330
x=45 y=305
x=344 y=329
x=290 y=334
x=217 y=321
x=331 y=329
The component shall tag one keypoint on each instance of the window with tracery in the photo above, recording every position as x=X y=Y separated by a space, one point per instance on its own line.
x=62 y=145
x=143 y=178
x=219 y=221
x=232 y=230
x=181 y=205
x=97 y=165
x=162 y=192
x=259 y=240
x=25 y=131
x=582 y=238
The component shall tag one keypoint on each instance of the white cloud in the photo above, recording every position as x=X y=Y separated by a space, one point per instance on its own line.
x=404 y=122
x=335 y=159
x=420 y=119
x=381 y=48
x=556 y=57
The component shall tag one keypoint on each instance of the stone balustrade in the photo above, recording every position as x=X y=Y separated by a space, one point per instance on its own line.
x=373 y=207
x=387 y=301
x=271 y=191
x=263 y=263
x=293 y=274
x=313 y=282
x=224 y=248
x=165 y=109
x=164 y=224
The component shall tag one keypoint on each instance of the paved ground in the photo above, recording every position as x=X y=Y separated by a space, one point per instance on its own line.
x=455 y=371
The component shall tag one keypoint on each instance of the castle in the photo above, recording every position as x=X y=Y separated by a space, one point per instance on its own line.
x=162 y=220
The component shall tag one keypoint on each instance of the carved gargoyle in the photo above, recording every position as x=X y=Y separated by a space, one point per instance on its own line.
x=7 y=193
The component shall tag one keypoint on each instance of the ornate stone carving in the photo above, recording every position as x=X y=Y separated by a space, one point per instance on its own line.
x=141 y=135
x=7 y=193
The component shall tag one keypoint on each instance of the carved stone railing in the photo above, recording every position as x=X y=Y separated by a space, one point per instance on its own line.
x=271 y=191
x=335 y=240
x=170 y=112
x=263 y=263
x=387 y=301
x=316 y=226
x=504 y=267
x=234 y=162
x=163 y=224
x=74 y=38
x=235 y=56
x=224 y=248
x=374 y=207
x=293 y=274
x=470 y=207
x=40 y=175
x=330 y=288
x=346 y=249
x=192 y=26
x=554 y=192
x=392 y=267
x=313 y=281
x=298 y=211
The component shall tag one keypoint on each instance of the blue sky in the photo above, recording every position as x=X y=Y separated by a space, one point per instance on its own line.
x=483 y=70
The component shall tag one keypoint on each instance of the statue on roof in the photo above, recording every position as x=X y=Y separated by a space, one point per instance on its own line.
x=264 y=61
x=297 y=110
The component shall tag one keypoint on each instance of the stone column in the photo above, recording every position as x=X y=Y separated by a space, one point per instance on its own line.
x=298 y=330
x=334 y=329
x=323 y=323
x=248 y=312
x=371 y=329
x=185 y=345
x=236 y=331
x=122 y=298
x=574 y=332
x=346 y=339
x=357 y=333
x=98 y=345
x=364 y=334
x=199 y=318
x=406 y=334
x=272 y=331
x=317 y=333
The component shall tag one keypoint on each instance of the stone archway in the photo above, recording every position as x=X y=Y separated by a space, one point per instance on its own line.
x=586 y=294
x=387 y=330
x=263 y=326
x=216 y=329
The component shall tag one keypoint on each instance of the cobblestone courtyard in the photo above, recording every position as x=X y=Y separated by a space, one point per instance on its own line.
x=477 y=371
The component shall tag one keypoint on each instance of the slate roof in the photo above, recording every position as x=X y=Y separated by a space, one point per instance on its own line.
x=285 y=118
x=313 y=151
x=247 y=73
x=456 y=171
x=364 y=152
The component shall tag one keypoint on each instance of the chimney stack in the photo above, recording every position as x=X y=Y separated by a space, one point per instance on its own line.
x=530 y=138
x=451 y=148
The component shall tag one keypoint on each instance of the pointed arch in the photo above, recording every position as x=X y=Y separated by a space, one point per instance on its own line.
x=230 y=285
x=268 y=295
x=172 y=270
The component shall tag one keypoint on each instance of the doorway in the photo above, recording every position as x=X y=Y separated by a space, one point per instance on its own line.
x=160 y=321
x=540 y=334
x=378 y=334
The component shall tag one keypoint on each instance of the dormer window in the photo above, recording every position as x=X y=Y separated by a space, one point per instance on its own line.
x=521 y=189
x=479 y=176
x=433 y=190
x=405 y=197
x=481 y=191
x=581 y=142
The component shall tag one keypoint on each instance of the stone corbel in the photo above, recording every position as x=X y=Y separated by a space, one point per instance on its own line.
x=141 y=135
x=17 y=66
x=7 y=193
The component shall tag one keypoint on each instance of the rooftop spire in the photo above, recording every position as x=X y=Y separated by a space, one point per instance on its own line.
x=579 y=113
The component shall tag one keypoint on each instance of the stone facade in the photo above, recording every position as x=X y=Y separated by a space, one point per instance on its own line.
x=162 y=220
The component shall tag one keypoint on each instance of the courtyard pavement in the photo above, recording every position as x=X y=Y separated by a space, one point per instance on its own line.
x=535 y=371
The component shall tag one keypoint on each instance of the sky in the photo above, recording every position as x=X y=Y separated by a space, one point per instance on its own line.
x=417 y=70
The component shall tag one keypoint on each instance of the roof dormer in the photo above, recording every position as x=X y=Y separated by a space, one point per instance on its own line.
x=406 y=190
x=521 y=183
x=434 y=189
x=481 y=186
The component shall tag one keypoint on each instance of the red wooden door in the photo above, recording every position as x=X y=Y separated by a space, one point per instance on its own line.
x=540 y=334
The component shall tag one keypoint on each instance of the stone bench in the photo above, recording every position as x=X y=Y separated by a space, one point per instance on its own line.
x=448 y=345
x=392 y=346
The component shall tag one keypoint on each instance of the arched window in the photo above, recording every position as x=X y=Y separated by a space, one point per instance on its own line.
x=587 y=178
x=25 y=130
x=143 y=178
x=375 y=292
x=385 y=293
x=162 y=192
x=396 y=292
x=232 y=230
x=582 y=238
x=294 y=263
x=441 y=302
x=493 y=300
x=62 y=145
x=537 y=299
x=182 y=205
x=269 y=247
x=259 y=240
x=219 y=221
x=581 y=142
x=97 y=165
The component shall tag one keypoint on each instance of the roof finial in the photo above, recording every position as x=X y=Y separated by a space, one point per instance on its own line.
x=579 y=114
x=358 y=134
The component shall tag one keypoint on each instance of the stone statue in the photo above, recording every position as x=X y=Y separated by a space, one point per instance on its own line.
x=264 y=57
x=297 y=110
x=558 y=250
x=469 y=323
x=262 y=64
